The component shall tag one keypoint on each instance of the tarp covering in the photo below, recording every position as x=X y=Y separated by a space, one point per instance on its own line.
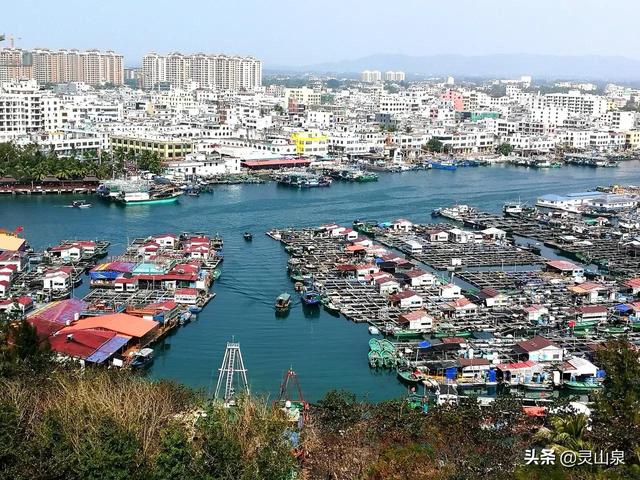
x=108 y=348
x=623 y=308
x=424 y=344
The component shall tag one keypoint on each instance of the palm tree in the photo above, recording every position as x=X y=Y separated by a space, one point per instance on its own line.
x=567 y=433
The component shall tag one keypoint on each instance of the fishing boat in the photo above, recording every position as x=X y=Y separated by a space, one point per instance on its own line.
x=587 y=386
x=185 y=317
x=311 y=298
x=80 y=204
x=248 y=236
x=375 y=359
x=411 y=377
x=329 y=306
x=147 y=198
x=443 y=165
x=283 y=302
x=366 y=177
x=141 y=359
x=374 y=330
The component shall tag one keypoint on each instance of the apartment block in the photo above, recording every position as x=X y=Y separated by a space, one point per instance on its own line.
x=221 y=72
x=61 y=66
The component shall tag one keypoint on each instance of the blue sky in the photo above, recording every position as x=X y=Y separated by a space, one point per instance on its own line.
x=286 y=32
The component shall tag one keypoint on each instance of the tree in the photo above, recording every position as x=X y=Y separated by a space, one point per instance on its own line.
x=175 y=455
x=338 y=410
x=434 y=145
x=616 y=412
x=505 y=149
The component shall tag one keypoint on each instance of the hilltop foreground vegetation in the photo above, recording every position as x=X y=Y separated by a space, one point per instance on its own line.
x=58 y=422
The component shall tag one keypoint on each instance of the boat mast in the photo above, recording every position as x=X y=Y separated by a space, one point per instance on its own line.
x=232 y=364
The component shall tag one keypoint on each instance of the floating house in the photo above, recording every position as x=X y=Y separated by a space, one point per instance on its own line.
x=539 y=349
x=565 y=268
x=186 y=296
x=418 y=320
x=406 y=300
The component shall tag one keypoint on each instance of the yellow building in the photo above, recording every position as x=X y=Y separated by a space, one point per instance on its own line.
x=632 y=139
x=310 y=143
x=168 y=148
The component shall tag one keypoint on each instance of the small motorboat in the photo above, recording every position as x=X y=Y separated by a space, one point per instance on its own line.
x=330 y=307
x=311 y=298
x=80 y=204
x=373 y=330
x=185 y=317
x=283 y=302
x=142 y=359
x=248 y=236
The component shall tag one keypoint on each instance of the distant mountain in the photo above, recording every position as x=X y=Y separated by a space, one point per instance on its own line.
x=509 y=65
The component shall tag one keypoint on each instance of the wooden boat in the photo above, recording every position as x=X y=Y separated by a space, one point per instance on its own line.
x=575 y=386
x=142 y=359
x=311 y=298
x=329 y=306
x=410 y=377
x=538 y=386
x=283 y=302
x=248 y=236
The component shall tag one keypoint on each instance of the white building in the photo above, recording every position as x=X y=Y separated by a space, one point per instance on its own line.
x=371 y=76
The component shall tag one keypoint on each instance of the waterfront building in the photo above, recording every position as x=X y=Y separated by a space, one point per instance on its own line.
x=310 y=143
x=166 y=146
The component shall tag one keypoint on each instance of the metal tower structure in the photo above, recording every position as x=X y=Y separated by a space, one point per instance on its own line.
x=231 y=374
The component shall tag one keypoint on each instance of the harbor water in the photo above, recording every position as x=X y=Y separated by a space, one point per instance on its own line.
x=326 y=352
